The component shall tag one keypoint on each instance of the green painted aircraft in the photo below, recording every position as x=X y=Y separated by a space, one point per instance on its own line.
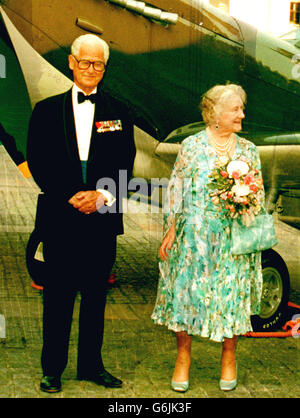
x=164 y=55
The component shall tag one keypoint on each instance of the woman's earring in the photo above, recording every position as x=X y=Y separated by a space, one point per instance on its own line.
x=217 y=125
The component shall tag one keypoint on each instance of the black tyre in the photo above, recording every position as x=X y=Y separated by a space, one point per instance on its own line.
x=275 y=294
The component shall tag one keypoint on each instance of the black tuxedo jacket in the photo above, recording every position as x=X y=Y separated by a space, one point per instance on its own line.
x=53 y=158
x=10 y=145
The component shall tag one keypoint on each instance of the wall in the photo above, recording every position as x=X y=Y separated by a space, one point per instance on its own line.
x=269 y=15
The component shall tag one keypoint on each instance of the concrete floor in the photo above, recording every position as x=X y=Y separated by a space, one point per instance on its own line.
x=140 y=353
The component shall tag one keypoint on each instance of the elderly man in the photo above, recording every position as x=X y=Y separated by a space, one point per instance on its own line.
x=76 y=141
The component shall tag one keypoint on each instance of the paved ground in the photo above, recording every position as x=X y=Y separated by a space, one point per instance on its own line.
x=135 y=349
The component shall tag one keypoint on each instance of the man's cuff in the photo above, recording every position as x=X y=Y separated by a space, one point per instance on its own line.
x=109 y=198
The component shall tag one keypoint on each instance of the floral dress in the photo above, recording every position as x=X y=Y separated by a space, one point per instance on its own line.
x=204 y=289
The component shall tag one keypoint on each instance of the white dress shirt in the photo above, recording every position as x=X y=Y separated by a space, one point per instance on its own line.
x=84 y=116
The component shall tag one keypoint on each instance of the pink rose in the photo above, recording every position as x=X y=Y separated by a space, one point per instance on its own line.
x=253 y=188
x=249 y=179
x=224 y=173
x=235 y=175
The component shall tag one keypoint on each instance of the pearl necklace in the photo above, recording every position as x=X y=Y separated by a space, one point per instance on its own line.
x=222 y=149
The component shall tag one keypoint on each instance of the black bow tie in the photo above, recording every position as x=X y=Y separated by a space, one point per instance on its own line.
x=81 y=97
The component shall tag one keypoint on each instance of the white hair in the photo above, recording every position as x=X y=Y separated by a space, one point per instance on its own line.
x=214 y=99
x=89 y=38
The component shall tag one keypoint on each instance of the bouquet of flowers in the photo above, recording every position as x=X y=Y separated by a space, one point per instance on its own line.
x=237 y=187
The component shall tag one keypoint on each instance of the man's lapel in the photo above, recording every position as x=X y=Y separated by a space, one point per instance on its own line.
x=98 y=116
x=69 y=127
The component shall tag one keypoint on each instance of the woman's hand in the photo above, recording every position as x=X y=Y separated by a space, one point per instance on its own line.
x=167 y=242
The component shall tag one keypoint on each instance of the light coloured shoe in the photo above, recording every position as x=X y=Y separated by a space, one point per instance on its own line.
x=227 y=385
x=180 y=386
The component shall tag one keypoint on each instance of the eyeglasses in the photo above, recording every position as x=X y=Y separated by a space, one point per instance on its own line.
x=98 y=66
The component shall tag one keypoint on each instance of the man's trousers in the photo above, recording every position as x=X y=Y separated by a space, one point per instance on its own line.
x=78 y=258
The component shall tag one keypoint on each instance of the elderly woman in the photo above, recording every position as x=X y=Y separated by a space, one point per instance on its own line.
x=203 y=289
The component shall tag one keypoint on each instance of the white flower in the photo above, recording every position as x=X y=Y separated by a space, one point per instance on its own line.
x=239 y=166
x=222 y=160
x=241 y=190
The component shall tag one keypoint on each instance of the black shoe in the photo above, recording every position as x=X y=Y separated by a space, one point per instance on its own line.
x=50 y=384
x=102 y=378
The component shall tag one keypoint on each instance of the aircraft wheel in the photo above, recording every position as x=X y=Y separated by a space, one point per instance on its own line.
x=275 y=293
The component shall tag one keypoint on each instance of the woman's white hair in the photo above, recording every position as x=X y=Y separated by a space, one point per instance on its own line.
x=89 y=38
x=215 y=98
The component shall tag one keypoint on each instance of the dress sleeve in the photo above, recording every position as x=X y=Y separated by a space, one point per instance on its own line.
x=178 y=186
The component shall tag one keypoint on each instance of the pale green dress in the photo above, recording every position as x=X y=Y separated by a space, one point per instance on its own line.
x=203 y=289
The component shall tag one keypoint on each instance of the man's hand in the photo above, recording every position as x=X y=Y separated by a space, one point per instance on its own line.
x=87 y=201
